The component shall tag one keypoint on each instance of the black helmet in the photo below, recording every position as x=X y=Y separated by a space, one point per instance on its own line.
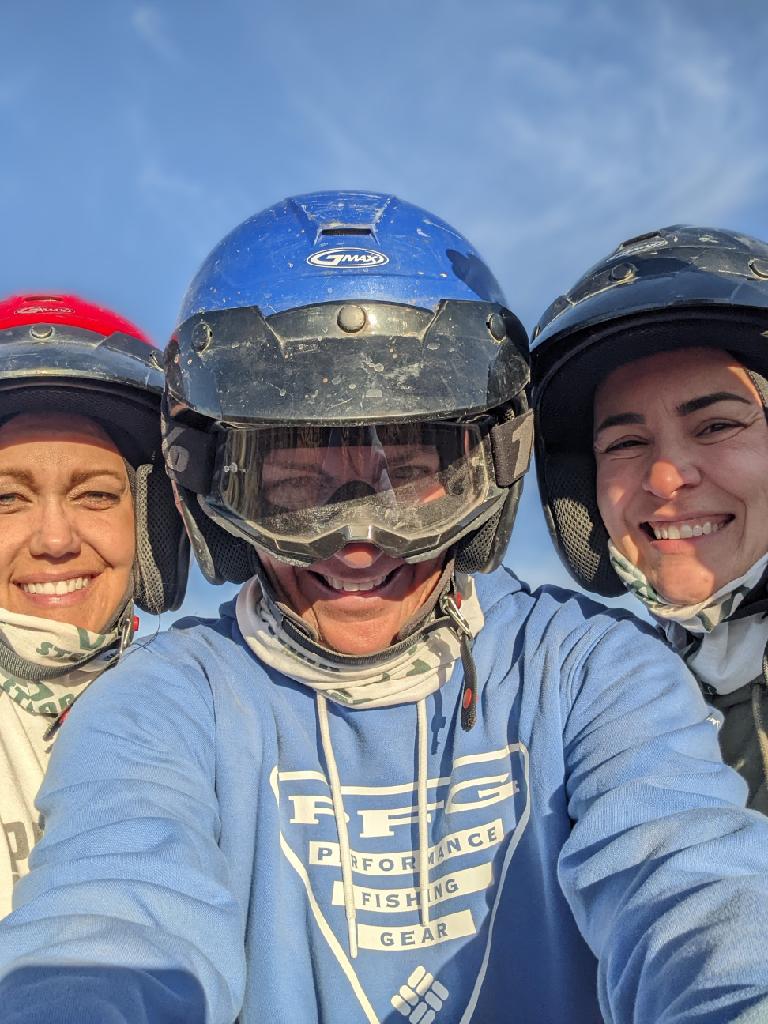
x=680 y=287
x=345 y=318
x=64 y=353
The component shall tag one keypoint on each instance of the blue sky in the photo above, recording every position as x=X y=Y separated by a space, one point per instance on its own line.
x=134 y=135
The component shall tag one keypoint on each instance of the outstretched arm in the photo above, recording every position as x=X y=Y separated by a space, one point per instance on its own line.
x=128 y=914
x=666 y=875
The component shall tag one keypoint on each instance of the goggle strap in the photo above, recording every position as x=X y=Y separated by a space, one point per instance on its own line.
x=189 y=456
x=512 y=443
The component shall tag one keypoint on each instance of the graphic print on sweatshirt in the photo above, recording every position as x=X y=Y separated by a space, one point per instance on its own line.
x=476 y=817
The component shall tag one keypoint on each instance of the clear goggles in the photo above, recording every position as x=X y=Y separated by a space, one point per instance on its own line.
x=302 y=493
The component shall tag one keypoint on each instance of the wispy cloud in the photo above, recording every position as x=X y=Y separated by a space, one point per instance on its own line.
x=149 y=24
x=560 y=130
x=660 y=129
x=166 y=183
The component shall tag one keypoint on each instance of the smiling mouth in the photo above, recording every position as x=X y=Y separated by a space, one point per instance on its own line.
x=683 y=529
x=340 y=586
x=57 y=587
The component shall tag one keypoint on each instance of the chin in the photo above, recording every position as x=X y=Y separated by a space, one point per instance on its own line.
x=684 y=592
x=356 y=642
x=359 y=649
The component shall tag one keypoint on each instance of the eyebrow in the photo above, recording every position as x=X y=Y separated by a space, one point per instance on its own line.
x=619 y=420
x=684 y=409
x=82 y=476
x=23 y=476
x=79 y=477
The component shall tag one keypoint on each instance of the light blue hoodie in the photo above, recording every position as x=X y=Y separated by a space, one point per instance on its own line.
x=584 y=842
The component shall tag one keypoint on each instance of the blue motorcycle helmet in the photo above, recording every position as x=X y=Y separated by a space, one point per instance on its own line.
x=331 y=331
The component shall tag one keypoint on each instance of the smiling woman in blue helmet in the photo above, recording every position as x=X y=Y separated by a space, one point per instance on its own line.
x=654 y=366
x=378 y=787
x=87 y=528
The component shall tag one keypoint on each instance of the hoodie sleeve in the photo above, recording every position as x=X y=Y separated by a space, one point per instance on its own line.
x=665 y=873
x=129 y=871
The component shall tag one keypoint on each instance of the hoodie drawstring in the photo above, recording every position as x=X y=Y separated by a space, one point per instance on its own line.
x=421 y=789
x=345 y=854
x=341 y=824
x=450 y=602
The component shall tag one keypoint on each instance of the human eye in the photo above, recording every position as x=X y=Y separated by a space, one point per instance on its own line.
x=96 y=499
x=411 y=463
x=296 y=489
x=11 y=501
x=409 y=472
x=718 y=429
x=625 y=445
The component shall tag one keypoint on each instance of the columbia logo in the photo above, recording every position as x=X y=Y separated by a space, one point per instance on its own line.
x=421 y=999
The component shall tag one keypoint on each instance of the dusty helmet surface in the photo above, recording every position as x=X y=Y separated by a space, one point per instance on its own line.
x=338 y=311
x=679 y=287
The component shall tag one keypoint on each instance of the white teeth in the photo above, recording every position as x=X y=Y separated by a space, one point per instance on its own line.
x=684 y=530
x=58 y=587
x=346 y=585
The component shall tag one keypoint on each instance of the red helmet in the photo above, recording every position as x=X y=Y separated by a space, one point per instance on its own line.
x=18 y=310
x=62 y=353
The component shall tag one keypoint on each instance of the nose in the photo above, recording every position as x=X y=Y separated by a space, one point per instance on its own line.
x=357 y=463
x=54 y=535
x=352 y=490
x=667 y=475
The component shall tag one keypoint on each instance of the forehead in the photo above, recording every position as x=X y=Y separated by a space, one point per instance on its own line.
x=59 y=433
x=673 y=378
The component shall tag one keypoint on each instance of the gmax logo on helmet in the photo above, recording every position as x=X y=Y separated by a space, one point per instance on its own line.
x=346 y=258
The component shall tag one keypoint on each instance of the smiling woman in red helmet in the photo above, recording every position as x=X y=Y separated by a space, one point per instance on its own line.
x=87 y=527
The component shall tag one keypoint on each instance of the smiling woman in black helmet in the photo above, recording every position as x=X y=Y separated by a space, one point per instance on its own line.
x=387 y=782
x=87 y=528
x=650 y=385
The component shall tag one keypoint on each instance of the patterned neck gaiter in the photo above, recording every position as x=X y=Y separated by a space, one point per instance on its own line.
x=410 y=674
x=723 y=655
x=45 y=665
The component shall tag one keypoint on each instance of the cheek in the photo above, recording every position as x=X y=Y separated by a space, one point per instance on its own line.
x=425 y=579
x=741 y=474
x=611 y=497
x=754 y=496
x=14 y=541
x=284 y=580
x=113 y=536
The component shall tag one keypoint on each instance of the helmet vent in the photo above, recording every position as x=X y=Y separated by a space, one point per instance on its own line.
x=640 y=238
x=345 y=229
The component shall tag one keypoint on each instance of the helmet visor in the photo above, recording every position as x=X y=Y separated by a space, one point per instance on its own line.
x=304 y=492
